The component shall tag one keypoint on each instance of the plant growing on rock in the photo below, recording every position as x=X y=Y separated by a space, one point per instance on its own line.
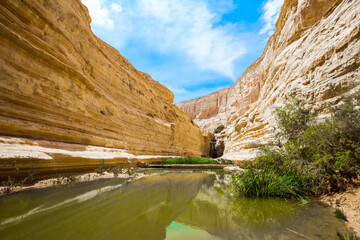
x=101 y=168
x=14 y=182
x=30 y=176
x=9 y=185
x=219 y=129
x=15 y=169
x=115 y=170
x=251 y=119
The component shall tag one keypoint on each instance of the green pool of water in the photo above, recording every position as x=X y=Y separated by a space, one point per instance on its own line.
x=171 y=206
x=178 y=231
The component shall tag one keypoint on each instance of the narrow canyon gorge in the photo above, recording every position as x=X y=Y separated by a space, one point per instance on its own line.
x=88 y=140
x=70 y=101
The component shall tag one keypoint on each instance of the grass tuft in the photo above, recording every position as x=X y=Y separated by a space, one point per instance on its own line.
x=340 y=214
x=350 y=236
x=266 y=184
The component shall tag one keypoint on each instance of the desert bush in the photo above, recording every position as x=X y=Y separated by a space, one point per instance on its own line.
x=347 y=115
x=292 y=119
x=219 y=129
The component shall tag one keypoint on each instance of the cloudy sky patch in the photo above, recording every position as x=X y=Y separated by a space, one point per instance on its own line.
x=192 y=46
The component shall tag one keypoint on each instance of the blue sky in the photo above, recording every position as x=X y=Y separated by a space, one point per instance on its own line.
x=194 y=47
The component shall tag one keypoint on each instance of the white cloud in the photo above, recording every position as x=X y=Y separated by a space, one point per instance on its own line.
x=189 y=27
x=181 y=27
x=270 y=15
x=116 y=7
x=99 y=13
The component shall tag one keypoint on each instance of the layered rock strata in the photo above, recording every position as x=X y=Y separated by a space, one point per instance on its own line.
x=314 y=54
x=61 y=85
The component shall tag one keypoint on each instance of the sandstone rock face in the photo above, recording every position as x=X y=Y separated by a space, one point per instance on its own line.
x=61 y=84
x=314 y=55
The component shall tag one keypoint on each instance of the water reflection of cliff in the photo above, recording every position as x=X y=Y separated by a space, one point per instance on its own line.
x=143 y=209
x=137 y=210
x=216 y=212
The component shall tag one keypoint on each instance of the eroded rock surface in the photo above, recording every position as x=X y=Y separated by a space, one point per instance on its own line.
x=314 y=55
x=61 y=85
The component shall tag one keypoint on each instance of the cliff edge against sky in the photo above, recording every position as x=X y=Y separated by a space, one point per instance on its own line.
x=69 y=100
x=314 y=54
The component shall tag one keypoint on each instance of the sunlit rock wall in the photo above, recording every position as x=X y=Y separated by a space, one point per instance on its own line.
x=61 y=85
x=314 y=55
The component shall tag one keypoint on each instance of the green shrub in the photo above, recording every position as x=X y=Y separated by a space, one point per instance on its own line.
x=219 y=129
x=313 y=157
x=340 y=214
x=190 y=161
x=266 y=184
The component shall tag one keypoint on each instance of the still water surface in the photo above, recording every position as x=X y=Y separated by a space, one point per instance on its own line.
x=171 y=206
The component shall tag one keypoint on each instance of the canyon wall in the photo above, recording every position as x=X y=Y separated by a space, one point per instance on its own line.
x=69 y=100
x=314 y=54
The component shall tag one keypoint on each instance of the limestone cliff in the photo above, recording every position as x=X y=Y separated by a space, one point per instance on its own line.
x=67 y=97
x=314 y=55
